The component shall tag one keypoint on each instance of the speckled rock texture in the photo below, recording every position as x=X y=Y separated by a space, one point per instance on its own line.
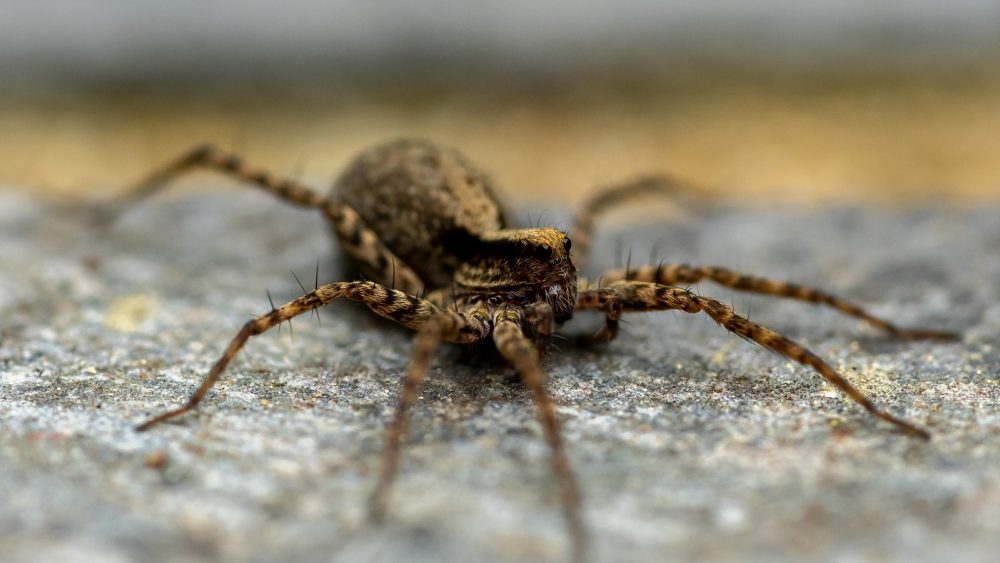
x=689 y=444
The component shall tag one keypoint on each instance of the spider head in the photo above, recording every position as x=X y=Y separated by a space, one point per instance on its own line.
x=522 y=266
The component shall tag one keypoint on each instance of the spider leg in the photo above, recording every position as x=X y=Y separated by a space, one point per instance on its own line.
x=210 y=157
x=540 y=318
x=364 y=245
x=395 y=305
x=517 y=349
x=451 y=326
x=677 y=274
x=612 y=309
x=635 y=296
x=357 y=239
x=606 y=199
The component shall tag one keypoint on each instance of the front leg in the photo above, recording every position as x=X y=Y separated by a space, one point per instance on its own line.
x=451 y=326
x=642 y=296
x=408 y=310
x=519 y=351
x=540 y=318
x=682 y=274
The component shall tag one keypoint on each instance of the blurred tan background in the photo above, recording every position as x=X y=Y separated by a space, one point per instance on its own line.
x=800 y=102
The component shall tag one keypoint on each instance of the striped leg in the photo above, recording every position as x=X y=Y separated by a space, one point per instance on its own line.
x=395 y=305
x=539 y=317
x=582 y=231
x=358 y=240
x=635 y=296
x=210 y=157
x=519 y=351
x=682 y=274
x=450 y=326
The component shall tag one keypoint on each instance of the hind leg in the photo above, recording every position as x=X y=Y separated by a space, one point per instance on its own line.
x=607 y=199
x=209 y=157
x=357 y=239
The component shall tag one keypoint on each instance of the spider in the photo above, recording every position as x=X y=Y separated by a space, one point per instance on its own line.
x=424 y=224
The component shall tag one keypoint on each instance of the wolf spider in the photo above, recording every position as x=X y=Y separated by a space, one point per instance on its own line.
x=413 y=215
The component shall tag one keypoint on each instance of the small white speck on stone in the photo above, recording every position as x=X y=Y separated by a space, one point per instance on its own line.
x=731 y=516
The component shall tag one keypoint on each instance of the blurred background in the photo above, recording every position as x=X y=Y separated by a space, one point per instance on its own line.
x=789 y=101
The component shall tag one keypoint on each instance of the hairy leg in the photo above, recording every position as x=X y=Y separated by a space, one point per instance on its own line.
x=210 y=157
x=408 y=310
x=464 y=327
x=357 y=239
x=682 y=274
x=519 y=351
x=582 y=231
x=612 y=309
x=634 y=296
x=540 y=318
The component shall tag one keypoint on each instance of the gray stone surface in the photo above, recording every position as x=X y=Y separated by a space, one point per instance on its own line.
x=689 y=444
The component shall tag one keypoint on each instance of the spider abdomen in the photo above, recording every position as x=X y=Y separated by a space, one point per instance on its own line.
x=415 y=195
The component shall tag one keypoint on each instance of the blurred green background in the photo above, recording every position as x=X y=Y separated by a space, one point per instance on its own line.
x=771 y=101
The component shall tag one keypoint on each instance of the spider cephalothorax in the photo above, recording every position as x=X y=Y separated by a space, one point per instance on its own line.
x=521 y=267
x=421 y=220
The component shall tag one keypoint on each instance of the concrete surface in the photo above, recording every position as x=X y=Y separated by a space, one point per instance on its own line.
x=689 y=444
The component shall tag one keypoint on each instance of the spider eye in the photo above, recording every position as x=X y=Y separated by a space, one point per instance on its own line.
x=545 y=251
x=567 y=244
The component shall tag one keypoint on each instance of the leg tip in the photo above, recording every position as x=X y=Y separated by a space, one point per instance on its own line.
x=906 y=427
x=922 y=334
x=148 y=424
x=376 y=512
x=163 y=417
x=912 y=430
